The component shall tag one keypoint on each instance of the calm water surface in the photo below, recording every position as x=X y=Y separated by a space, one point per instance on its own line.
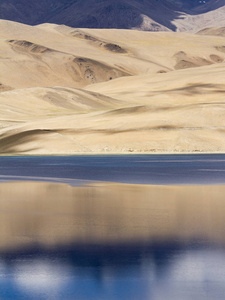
x=91 y=239
x=143 y=169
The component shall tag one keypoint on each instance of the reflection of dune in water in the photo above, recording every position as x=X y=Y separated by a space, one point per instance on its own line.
x=50 y=214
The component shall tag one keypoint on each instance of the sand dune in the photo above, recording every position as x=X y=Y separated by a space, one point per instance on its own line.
x=101 y=43
x=53 y=101
x=52 y=55
x=66 y=90
x=44 y=66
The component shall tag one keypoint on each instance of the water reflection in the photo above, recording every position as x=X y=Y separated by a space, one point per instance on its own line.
x=111 y=241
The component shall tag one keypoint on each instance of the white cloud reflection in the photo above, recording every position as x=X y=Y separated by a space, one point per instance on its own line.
x=195 y=275
x=40 y=275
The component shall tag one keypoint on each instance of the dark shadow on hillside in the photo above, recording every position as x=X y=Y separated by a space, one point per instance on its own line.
x=91 y=14
x=195 y=89
x=11 y=144
x=121 y=14
x=117 y=14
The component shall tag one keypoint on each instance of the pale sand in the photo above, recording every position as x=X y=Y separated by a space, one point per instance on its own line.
x=50 y=214
x=68 y=91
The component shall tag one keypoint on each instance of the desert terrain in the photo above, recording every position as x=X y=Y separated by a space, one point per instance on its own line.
x=65 y=90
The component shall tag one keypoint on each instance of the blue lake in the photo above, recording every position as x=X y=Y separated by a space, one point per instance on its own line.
x=148 y=227
x=142 y=169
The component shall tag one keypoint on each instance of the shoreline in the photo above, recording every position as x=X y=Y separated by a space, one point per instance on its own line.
x=113 y=153
x=85 y=183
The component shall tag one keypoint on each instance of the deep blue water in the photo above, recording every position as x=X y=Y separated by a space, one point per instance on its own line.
x=143 y=169
x=160 y=271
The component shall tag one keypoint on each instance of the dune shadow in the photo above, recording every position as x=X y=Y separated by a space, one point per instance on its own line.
x=196 y=89
x=11 y=143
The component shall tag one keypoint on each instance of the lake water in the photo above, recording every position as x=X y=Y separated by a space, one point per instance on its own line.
x=148 y=227
x=142 y=169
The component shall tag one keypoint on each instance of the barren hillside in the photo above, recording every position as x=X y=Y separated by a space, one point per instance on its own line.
x=68 y=90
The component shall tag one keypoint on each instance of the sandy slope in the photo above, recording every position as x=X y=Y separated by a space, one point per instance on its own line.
x=66 y=90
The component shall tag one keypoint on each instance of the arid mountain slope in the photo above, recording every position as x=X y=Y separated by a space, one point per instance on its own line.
x=30 y=56
x=68 y=90
x=199 y=20
x=92 y=14
x=50 y=55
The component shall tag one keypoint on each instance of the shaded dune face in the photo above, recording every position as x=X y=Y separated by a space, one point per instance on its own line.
x=81 y=70
x=98 y=42
x=216 y=58
x=220 y=48
x=93 y=71
x=184 y=61
x=26 y=46
x=4 y=88
x=11 y=140
x=213 y=31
